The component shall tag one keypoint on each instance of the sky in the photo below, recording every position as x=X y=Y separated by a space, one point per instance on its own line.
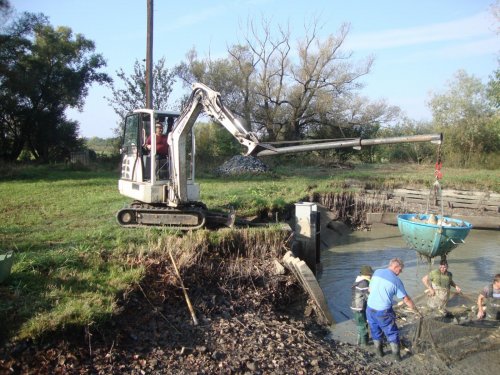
x=418 y=46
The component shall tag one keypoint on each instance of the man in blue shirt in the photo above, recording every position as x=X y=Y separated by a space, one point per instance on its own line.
x=384 y=285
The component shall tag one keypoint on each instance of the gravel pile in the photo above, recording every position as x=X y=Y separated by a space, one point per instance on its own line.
x=241 y=165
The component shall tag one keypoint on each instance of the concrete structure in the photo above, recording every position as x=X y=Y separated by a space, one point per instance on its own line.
x=307 y=234
x=302 y=272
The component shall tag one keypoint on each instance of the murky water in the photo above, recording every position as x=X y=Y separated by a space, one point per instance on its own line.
x=473 y=264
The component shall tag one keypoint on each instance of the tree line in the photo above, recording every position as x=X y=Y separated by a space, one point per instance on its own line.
x=43 y=71
x=282 y=89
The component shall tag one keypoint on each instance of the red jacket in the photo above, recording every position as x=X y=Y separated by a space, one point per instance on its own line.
x=161 y=144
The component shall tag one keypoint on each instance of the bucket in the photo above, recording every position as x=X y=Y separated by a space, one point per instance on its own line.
x=429 y=239
x=6 y=261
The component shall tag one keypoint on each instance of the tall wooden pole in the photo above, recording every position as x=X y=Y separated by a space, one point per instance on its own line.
x=149 y=58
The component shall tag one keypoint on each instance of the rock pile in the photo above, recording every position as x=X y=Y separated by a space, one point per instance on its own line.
x=239 y=164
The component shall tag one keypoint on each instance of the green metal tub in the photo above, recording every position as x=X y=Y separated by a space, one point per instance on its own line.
x=432 y=239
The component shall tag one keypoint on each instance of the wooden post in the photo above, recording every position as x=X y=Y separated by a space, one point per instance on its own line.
x=188 y=301
x=149 y=57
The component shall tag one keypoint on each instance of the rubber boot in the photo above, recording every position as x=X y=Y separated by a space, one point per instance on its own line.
x=396 y=354
x=378 y=348
x=363 y=341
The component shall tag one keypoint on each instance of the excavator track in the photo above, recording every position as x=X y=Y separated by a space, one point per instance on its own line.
x=185 y=218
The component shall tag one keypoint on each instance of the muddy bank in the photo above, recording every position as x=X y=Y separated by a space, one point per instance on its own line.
x=261 y=324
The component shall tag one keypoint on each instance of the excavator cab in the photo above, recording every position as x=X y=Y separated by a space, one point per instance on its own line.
x=149 y=177
x=144 y=171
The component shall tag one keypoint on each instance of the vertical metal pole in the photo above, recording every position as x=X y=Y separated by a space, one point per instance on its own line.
x=149 y=57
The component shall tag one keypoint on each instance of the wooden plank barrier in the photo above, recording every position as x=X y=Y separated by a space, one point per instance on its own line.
x=473 y=200
x=478 y=222
x=483 y=207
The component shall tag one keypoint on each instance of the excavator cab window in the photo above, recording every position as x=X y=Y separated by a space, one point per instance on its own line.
x=145 y=128
x=134 y=138
x=145 y=133
x=131 y=135
x=130 y=147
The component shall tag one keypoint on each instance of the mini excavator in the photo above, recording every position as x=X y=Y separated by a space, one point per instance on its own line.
x=163 y=186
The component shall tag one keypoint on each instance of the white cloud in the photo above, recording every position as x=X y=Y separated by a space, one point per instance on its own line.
x=185 y=21
x=478 y=25
x=452 y=51
x=471 y=49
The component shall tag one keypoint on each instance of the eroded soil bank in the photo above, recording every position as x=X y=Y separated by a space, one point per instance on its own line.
x=253 y=325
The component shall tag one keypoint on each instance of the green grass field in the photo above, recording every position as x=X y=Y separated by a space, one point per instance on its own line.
x=72 y=260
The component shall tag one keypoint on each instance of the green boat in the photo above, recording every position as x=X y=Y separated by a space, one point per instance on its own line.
x=432 y=235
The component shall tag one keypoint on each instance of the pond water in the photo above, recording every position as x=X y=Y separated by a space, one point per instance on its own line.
x=473 y=264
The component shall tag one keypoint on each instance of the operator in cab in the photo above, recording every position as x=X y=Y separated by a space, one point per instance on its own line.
x=161 y=141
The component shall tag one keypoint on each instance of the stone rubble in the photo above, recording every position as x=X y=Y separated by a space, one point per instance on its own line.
x=239 y=164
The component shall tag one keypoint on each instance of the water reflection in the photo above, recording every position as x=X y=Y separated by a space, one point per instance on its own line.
x=473 y=264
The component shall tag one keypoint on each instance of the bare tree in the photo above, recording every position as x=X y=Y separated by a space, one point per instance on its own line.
x=295 y=89
x=287 y=92
x=271 y=66
x=132 y=93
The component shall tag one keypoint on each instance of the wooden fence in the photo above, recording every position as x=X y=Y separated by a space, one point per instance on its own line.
x=481 y=209
x=487 y=202
x=80 y=157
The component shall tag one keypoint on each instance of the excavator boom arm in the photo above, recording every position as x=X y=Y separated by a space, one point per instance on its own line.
x=202 y=99
x=356 y=143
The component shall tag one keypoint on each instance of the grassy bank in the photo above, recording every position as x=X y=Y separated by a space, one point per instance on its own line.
x=72 y=260
x=289 y=183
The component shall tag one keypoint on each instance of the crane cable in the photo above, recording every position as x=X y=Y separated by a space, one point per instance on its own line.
x=436 y=187
x=437 y=169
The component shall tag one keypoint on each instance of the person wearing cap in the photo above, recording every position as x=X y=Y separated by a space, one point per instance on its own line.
x=360 y=290
x=384 y=286
x=161 y=141
x=439 y=283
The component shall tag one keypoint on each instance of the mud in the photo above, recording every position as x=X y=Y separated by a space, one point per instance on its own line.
x=257 y=325
x=454 y=343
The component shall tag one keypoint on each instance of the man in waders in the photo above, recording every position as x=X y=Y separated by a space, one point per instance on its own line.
x=491 y=296
x=384 y=285
x=358 y=303
x=438 y=283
